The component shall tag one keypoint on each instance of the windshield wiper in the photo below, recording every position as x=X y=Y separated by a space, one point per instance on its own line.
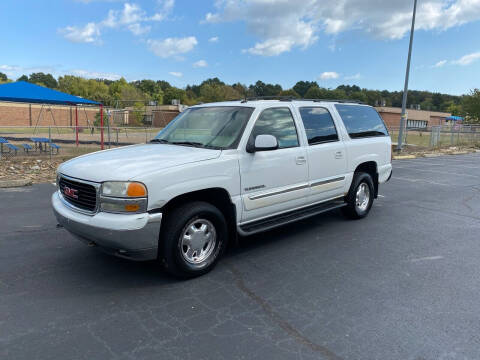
x=160 y=141
x=194 y=144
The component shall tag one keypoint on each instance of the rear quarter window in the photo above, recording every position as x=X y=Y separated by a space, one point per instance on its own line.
x=361 y=121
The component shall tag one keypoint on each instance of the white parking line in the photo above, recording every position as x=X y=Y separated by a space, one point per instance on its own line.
x=420 y=180
x=427 y=258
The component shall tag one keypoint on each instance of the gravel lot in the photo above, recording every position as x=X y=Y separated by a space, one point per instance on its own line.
x=402 y=284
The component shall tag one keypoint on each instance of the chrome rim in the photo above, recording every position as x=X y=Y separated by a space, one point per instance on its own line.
x=363 y=197
x=198 y=241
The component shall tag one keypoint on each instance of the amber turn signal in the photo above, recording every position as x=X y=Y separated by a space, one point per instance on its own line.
x=136 y=190
x=132 y=207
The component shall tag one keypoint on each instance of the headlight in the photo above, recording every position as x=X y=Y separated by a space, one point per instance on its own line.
x=123 y=197
x=124 y=189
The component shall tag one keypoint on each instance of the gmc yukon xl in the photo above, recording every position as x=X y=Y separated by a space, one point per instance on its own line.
x=223 y=169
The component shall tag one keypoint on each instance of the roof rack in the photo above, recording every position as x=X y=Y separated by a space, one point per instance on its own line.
x=343 y=101
x=279 y=98
x=291 y=98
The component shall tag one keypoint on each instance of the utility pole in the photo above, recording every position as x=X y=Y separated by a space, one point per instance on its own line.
x=403 y=117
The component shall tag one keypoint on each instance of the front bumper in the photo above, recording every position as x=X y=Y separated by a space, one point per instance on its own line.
x=129 y=236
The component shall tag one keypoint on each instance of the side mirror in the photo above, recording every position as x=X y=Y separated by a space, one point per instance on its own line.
x=263 y=143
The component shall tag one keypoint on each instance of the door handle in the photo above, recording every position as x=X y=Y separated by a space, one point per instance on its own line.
x=338 y=155
x=300 y=160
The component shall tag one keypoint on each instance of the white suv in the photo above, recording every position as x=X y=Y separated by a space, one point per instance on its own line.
x=223 y=169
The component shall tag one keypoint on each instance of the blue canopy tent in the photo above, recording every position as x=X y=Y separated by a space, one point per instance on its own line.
x=454 y=118
x=25 y=92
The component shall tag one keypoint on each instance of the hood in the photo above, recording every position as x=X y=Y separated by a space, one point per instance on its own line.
x=123 y=164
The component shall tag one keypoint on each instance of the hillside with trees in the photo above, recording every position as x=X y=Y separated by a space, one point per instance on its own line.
x=121 y=93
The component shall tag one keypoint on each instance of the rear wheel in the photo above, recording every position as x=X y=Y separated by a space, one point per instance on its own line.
x=192 y=239
x=360 y=197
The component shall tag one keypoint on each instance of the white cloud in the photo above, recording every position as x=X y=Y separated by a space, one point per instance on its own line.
x=353 y=77
x=131 y=17
x=212 y=18
x=95 y=75
x=89 y=33
x=329 y=75
x=166 y=7
x=282 y=25
x=200 y=64
x=468 y=59
x=9 y=68
x=15 y=71
x=176 y=73
x=138 y=29
x=440 y=64
x=172 y=46
x=213 y=39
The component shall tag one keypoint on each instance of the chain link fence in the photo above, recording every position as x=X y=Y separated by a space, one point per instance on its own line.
x=66 y=141
x=440 y=136
x=24 y=141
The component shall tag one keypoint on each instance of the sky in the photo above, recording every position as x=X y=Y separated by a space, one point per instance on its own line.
x=361 y=42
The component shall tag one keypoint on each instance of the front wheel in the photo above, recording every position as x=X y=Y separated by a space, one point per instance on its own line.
x=192 y=239
x=360 y=197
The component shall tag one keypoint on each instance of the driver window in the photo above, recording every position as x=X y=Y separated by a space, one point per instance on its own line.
x=279 y=123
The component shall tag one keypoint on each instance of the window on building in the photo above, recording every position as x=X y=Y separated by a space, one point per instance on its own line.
x=416 y=124
x=361 y=121
x=279 y=123
x=319 y=125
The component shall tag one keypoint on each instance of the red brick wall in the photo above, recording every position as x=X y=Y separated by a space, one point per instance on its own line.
x=392 y=120
x=162 y=118
x=436 y=120
x=12 y=114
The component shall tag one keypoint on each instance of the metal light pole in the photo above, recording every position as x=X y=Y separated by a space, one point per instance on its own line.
x=403 y=117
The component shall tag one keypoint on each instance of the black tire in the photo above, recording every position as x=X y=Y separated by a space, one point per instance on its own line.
x=352 y=211
x=171 y=253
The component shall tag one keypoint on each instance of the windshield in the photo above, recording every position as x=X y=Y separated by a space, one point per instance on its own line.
x=212 y=127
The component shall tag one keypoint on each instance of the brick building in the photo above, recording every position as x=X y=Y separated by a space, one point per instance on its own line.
x=416 y=119
x=156 y=116
x=22 y=114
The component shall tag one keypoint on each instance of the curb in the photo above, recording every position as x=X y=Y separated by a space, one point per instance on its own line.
x=14 y=183
x=460 y=152
x=404 y=157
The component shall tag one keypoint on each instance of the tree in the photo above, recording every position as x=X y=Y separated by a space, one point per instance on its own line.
x=471 y=106
x=455 y=109
x=211 y=93
x=437 y=101
x=174 y=93
x=213 y=81
x=316 y=92
x=262 y=89
x=3 y=77
x=87 y=88
x=164 y=85
x=289 y=92
x=302 y=87
x=150 y=88
x=43 y=79
x=241 y=89
x=23 y=78
x=358 y=95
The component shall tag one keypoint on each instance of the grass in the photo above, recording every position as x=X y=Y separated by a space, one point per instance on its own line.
x=422 y=138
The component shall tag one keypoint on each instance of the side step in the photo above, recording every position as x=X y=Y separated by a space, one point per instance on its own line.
x=291 y=216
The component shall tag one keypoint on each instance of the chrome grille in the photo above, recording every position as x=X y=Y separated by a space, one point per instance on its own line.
x=79 y=194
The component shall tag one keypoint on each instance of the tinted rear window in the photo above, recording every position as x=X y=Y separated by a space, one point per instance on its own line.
x=361 y=121
x=318 y=124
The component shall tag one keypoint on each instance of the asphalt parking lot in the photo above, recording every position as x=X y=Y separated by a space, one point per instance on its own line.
x=402 y=284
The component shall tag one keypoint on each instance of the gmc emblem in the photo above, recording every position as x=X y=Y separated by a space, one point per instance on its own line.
x=70 y=192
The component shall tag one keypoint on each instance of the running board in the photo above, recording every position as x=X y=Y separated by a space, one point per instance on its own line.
x=291 y=216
